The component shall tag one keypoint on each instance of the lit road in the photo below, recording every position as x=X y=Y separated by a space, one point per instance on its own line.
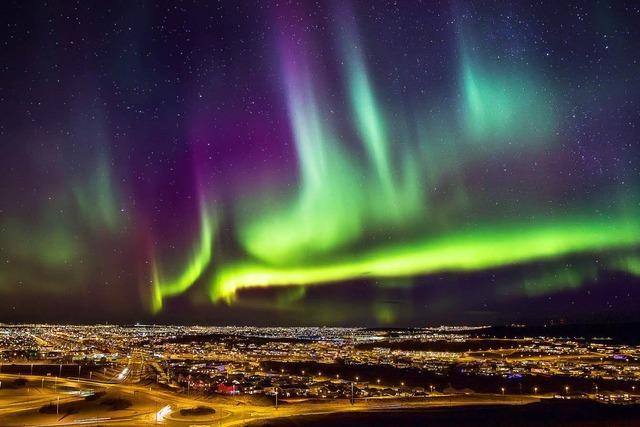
x=152 y=405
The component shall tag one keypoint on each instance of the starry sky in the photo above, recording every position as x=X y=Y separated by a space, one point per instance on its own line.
x=331 y=162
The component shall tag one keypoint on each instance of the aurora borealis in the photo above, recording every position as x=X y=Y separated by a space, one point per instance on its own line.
x=331 y=162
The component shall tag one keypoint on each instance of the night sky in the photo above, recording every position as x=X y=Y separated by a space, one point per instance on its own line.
x=283 y=162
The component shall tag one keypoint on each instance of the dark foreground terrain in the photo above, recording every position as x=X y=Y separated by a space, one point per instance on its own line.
x=548 y=413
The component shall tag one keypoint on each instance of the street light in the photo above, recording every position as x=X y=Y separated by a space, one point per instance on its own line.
x=378 y=380
x=535 y=390
x=502 y=390
x=566 y=389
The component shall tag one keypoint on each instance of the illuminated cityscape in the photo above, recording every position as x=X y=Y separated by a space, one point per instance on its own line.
x=239 y=375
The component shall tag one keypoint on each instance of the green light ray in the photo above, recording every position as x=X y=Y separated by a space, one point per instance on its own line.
x=326 y=213
x=97 y=199
x=370 y=122
x=505 y=108
x=163 y=286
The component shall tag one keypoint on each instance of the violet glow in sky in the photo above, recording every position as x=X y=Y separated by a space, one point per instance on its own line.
x=222 y=161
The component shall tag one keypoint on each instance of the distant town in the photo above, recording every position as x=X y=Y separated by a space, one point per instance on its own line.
x=211 y=369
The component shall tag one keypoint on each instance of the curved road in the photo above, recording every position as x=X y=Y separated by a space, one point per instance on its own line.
x=152 y=407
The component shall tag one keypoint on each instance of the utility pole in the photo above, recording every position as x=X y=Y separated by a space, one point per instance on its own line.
x=276 y=397
x=58 y=406
x=352 y=393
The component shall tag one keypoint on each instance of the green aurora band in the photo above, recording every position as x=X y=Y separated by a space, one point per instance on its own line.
x=475 y=249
